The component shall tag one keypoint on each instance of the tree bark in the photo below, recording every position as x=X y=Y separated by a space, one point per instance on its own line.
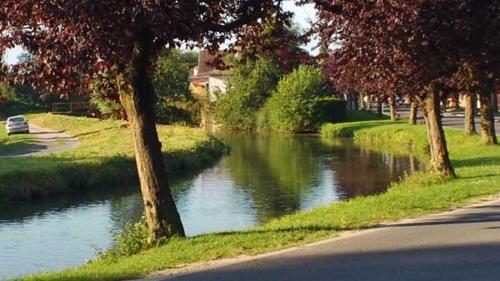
x=369 y=103
x=470 y=113
x=440 y=161
x=361 y=100
x=137 y=96
x=412 y=120
x=494 y=97
x=392 y=105
x=487 y=118
x=379 y=106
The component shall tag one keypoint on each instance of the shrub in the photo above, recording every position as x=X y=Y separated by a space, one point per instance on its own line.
x=249 y=87
x=299 y=103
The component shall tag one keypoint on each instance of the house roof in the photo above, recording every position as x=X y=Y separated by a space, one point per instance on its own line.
x=204 y=69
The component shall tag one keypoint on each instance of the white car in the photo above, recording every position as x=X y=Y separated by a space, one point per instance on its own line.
x=17 y=124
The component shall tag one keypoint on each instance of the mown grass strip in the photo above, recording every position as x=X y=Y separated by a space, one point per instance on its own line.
x=477 y=166
x=104 y=158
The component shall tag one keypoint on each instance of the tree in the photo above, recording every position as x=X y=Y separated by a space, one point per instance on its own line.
x=174 y=100
x=296 y=104
x=250 y=86
x=408 y=47
x=412 y=120
x=74 y=40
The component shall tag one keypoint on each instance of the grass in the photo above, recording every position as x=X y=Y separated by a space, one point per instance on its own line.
x=9 y=144
x=477 y=166
x=358 y=115
x=104 y=158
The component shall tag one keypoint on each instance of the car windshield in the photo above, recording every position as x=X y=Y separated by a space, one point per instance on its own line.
x=16 y=119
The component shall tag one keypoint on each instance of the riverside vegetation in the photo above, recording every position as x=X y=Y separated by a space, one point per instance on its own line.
x=477 y=166
x=104 y=158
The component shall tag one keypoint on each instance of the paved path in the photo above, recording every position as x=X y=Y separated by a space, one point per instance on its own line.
x=47 y=141
x=449 y=119
x=455 y=246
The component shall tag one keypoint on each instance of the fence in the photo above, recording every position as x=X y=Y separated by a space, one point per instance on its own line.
x=71 y=108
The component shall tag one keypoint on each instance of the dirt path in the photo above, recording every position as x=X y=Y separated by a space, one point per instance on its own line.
x=48 y=141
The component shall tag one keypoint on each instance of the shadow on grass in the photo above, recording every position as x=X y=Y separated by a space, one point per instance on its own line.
x=53 y=175
x=479 y=161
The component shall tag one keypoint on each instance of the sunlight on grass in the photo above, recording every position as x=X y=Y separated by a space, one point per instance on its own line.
x=477 y=166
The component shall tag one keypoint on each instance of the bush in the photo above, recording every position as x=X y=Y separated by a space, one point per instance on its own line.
x=299 y=103
x=249 y=87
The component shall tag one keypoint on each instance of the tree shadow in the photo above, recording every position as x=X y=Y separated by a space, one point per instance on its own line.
x=479 y=161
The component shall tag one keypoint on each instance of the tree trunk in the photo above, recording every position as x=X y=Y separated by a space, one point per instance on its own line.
x=487 y=118
x=440 y=161
x=412 y=120
x=494 y=97
x=470 y=110
x=379 y=106
x=361 y=101
x=137 y=96
x=369 y=103
x=392 y=105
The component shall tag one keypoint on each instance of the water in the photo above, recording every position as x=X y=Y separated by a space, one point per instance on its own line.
x=262 y=178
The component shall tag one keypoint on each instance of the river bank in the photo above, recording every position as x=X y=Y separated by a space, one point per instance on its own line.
x=104 y=157
x=477 y=167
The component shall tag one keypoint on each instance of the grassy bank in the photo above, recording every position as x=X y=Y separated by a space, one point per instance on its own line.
x=477 y=166
x=103 y=159
x=9 y=144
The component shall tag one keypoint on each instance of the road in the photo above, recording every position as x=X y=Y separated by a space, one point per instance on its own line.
x=47 y=141
x=455 y=246
x=449 y=119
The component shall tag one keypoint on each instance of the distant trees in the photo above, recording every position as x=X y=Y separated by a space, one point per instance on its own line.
x=410 y=47
x=251 y=84
x=296 y=105
x=174 y=101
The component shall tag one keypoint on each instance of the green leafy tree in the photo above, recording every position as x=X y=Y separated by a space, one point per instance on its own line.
x=175 y=102
x=294 y=106
x=249 y=87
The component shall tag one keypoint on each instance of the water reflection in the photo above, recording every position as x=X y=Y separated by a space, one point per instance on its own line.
x=264 y=177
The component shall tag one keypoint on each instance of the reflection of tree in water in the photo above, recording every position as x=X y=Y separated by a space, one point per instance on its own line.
x=360 y=171
x=129 y=209
x=277 y=171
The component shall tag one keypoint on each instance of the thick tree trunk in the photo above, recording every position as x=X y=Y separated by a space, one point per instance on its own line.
x=494 y=97
x=379 y=106
x=440 y=161
x=487 y=118
x=361 y=101
x=392 y=105
x=369 y=103
x=470 y=113
x=137 y=97
x=412 y=120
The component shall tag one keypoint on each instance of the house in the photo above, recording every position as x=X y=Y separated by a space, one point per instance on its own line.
x=205 y=79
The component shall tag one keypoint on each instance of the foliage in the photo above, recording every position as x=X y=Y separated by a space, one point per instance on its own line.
x=422 y=193
x=132 y=240
x=249 y=87
x=403 y=46
x=174 y=101
x=276 y=38
x=296 y=104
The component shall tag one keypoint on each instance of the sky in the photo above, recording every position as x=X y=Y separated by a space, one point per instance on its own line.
x=303 y=15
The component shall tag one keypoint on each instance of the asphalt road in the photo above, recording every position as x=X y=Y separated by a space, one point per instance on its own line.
x=456 y=246
x=47 y=141
x=449 y=119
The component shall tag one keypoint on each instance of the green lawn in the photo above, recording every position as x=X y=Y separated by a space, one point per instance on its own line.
x=477 y=166
x=104 y=158
x=9 y=144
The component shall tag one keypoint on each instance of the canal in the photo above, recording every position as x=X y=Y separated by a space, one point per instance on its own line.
x=262 y=178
